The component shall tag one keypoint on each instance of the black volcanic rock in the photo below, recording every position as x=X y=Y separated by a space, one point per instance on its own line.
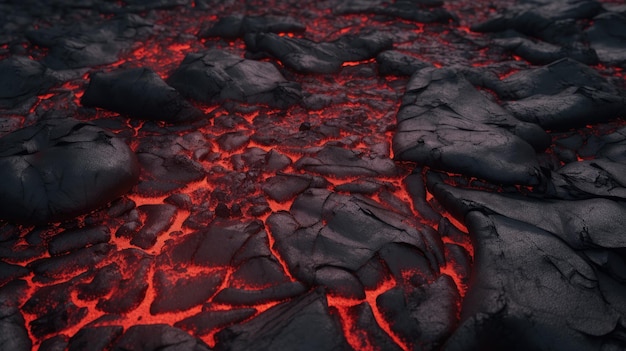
x=607 y=36
x=424 y=11
x=22 y=79
x=14 y=335
x=600 y=177
x=546 y=20
x=541 y=53
x=531 y=291
x=327 y=238
x=71 y=240
x=179 y=294
x=303 y=324
x=306 y=56
x=428 y=311
x=139 y=93
x=337 y=161
x=393 y=62
x=58 y=169
x=82 y=45
x=231 y=27
x=561 y=95
x=216 y=76
x=161 y=337
x=94 y=338
x=444 y=122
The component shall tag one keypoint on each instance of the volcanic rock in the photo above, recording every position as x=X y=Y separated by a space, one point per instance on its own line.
x=215 y=76
x=231 y=27
x=14 y=335
x=71 y=240
x=423 y=11
x=541 y=53
x=181 y=294
x=23 y=79
x=531 y=291
x=306 y=56
x=607 y=36
x=58 y=169
x=543 y=20
x=393 y=62
x=94 y=338
x=327 y=230
x=162 y=337
x=444 y=122
x=81 y=45
x=300 y=324
x=341 y=162
x=206 y=321
x=139 y=93
x=428 y=311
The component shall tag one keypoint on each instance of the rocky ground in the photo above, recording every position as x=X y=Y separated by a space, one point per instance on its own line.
x=335 y=175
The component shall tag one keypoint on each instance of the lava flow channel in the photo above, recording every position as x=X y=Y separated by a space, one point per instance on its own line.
x=340 y=175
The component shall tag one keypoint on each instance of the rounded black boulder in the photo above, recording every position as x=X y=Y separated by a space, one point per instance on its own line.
x=58 y=169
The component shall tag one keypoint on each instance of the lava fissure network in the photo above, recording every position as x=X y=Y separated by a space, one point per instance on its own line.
x=190 y=175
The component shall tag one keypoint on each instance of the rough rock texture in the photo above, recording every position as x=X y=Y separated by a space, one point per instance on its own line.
x=237 y=26
x=152 y=337
x=58 y=169
x=139 y=93
x=84 y=45
x=307 y=56
x=550 y=281
x=607 y=37
x=34 y=79
x=215 y=76
x=444 y=122
x=301 y=324
x=561 y=95
x=425 y=11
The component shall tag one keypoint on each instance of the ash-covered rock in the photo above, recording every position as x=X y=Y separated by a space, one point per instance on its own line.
x=231 y=27
x=139 y=93
x=306 y=56
x=444 y=122
x=216 y=76
x=86 y=45
x=58 y=169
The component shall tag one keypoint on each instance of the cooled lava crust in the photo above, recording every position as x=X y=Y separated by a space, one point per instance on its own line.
x=184 y=175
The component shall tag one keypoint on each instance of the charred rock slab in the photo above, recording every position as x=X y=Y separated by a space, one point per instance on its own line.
x=607 y=36
x=334 y=240
x=561 y=95
x=152 y=337
x=531 y=290
x=58 y=169
x=216 y=76
x=231 y=27
x=542 y=53
x=139 y=93
x=87 y=45
x=393 y=62
x=307 y=56
x=22 y=79
x=301 y=324
x=444 y=122
x=424 y=11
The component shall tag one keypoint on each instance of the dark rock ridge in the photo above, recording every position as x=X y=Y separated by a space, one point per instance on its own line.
x=85 y=45
x=237 y=26
x=139 y=93
x=216 y=76
x=58 y=169
x=445 y=123
x=306 y=56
